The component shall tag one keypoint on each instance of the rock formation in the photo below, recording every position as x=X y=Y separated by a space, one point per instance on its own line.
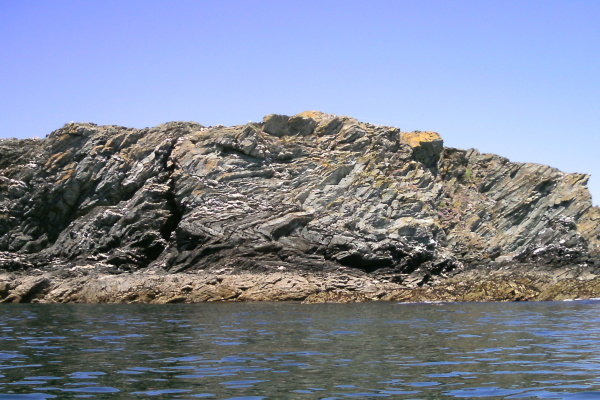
x=312 y=207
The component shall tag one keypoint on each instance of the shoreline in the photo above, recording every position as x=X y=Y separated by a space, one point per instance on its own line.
x=84 y=285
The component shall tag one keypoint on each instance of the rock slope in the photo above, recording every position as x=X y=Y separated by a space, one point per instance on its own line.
x=311 y=207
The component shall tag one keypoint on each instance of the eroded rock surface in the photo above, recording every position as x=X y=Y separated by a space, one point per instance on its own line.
x=322 y=199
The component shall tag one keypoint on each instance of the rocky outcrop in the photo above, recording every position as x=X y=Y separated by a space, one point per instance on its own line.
x=319 y=198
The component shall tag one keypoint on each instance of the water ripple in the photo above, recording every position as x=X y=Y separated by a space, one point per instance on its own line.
x=293 y=351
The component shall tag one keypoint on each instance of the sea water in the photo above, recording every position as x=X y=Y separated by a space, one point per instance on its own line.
x=296 y=351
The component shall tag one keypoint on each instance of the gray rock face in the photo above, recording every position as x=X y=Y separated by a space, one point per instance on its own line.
x=313 y=193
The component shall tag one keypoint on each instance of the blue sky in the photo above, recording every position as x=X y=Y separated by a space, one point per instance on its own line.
x=516 y=78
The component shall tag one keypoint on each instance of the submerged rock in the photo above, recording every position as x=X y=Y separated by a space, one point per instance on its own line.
x=323 y=199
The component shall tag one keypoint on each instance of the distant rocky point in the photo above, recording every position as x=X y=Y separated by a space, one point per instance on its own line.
x=313 y=207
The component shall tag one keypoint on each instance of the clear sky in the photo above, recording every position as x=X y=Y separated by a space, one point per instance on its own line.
x=518 y=78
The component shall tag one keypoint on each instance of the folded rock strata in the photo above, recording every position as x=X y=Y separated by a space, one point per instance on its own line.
x=343 y=210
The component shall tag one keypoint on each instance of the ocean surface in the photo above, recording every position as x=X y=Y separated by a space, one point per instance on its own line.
x=251 y=351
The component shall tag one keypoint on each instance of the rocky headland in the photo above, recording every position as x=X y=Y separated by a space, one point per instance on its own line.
x=313 y=207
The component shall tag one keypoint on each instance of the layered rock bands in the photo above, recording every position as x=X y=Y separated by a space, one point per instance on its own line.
x=313 y=207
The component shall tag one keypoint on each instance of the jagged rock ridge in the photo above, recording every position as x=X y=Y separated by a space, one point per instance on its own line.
x=309 y=194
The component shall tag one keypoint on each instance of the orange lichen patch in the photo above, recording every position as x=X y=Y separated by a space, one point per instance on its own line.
x=312 y=114
x=114 y=142
x=414 y=139
x=317 y=116
x=55 y=160
x=210 y=164
x=574 y=179
x=184 y=149
x=66 y=175
x=100 y=149
x=68 y=129
x=128 y=155
x=197 y=192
